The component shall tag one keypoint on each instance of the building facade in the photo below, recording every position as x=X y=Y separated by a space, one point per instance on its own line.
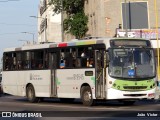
x=113 y=17
x=107 y=18
x=49 y=23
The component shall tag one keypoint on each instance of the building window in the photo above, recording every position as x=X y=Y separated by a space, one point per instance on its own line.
x=43 y=6
x=43 y=25
x=135 y=15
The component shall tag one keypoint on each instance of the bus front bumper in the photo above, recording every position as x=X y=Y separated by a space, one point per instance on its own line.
x=117 y=94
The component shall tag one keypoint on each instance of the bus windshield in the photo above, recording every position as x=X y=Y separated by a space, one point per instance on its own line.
x=132 y=63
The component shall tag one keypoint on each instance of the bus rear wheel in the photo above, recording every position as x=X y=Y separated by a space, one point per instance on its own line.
x=86 y=96
x=31 y=94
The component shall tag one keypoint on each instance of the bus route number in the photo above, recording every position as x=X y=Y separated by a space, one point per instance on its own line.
x=78 y=76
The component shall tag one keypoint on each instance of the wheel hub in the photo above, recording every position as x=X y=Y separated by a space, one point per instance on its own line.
x=87 y=96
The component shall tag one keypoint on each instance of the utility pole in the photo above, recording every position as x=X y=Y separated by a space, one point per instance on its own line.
x=158 y=51
x=126 y=24
x=62 y=33
x=45 y=28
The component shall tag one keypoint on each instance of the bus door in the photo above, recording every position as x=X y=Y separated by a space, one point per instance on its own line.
x=100 y=74
x=53 y=66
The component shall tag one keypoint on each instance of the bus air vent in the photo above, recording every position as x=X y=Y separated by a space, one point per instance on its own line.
x=134 y=87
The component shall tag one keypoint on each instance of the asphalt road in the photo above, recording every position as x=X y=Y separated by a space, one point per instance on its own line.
x=19 y=107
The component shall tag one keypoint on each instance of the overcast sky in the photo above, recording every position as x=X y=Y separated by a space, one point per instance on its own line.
x=14 y=19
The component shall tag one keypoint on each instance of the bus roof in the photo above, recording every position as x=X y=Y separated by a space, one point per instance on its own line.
x=66 y=44
x=54 y=45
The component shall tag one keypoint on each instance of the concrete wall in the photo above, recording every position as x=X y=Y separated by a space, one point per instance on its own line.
x=52 y=33
x=106 y=15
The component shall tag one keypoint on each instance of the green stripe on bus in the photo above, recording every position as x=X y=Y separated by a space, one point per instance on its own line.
x=94 y=80
x=57 y=81
x=86 y=42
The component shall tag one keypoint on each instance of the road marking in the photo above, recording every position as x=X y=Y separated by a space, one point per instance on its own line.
x=78 y=107
x=64 y=106
x=60 y=106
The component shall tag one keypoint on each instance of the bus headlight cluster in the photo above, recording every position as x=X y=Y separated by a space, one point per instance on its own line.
x=114 y=85
x=153 y=84
x=118 y=87
x=110 y=82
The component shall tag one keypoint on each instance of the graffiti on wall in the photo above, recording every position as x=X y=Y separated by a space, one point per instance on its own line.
x=145 y=33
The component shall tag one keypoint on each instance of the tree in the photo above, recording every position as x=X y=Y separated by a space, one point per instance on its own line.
x=69 y=6
x=76 y=25
x=76 y=20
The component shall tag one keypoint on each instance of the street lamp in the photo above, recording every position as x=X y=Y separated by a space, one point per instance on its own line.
x=45 y=26
x=37 y=17
x=29 y=33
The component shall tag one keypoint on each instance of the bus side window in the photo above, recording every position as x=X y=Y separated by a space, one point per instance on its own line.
x=14 y=61
x=46 y=63
x=61 y=62
x=19 y=61
x=33 y=64
x=73 y=55
x=78 y=62
x=10 y=62
x=37 y=59
x=69 y=60
x=19 y=64
x=90 y=62
x=83 y=62
x=6 y=61
x=86 y=55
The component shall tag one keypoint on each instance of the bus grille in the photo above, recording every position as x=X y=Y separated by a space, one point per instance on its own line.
x=135 y=87
x=134 y=95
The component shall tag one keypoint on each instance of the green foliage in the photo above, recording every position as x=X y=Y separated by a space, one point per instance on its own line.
x=76 y=25
x=57 y=5
x=73 y=6
x=76 y=21
x=69 y=6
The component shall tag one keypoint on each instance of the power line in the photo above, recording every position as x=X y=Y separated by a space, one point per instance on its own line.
x=17 y=24
x=8 y=33
x=9 y=0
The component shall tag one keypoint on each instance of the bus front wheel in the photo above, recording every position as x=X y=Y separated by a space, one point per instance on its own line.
x=31 y=94
x=86 y=96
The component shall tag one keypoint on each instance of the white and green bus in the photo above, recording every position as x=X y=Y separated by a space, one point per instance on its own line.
x=120 y=69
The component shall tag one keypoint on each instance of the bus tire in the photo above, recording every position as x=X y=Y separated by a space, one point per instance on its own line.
x=86 y=96
x=31 y=94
